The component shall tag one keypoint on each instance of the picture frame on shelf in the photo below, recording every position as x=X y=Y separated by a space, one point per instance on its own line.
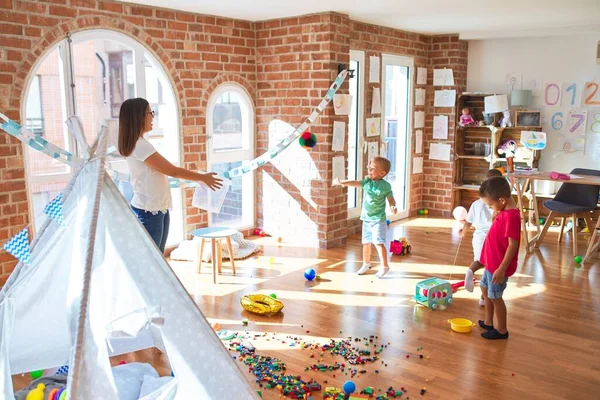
x=528 y=118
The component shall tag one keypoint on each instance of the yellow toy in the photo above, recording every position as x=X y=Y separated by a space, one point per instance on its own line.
x=37 y=393
x=261 y=304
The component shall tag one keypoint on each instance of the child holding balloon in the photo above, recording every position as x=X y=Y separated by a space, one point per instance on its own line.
x=480 y=217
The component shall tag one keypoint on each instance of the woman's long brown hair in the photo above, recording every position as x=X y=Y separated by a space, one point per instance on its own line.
x=131 y=124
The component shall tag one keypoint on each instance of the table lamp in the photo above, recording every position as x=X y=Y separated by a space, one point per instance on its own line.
x=520 y=98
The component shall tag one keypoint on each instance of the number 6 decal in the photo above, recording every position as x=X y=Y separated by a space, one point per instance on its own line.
x=557 y=121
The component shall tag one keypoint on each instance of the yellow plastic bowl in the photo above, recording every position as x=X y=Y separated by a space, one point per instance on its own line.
x=461 y=325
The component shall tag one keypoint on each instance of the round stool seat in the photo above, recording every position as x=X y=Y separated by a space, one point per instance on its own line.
x=214 y=234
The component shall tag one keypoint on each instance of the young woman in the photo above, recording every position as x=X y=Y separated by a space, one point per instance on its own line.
x=149 y=170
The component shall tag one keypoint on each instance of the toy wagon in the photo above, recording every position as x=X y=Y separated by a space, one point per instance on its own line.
x=433 y=292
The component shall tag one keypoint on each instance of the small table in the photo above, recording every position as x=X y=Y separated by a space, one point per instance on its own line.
x=522 y=180
x=215 y=235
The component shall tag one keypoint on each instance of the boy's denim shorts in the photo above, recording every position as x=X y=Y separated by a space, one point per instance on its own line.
x=374 y=232
x=493 y=291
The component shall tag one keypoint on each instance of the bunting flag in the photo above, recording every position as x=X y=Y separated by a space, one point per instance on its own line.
x=54 y=209
x=18 y=246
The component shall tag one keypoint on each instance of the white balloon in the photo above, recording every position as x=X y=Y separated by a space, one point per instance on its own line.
x=459 y=213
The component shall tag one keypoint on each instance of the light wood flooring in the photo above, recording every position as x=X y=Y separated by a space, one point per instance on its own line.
x=553 y=317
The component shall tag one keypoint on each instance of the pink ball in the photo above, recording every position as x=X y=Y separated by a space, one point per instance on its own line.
x=459 y=213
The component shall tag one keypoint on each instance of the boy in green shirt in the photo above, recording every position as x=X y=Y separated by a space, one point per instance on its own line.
x=375 y=191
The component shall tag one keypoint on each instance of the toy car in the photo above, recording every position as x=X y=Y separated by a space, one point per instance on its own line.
x=400 y=247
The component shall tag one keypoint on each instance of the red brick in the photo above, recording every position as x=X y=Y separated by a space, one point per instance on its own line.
x=63 y=11
x=110 y=6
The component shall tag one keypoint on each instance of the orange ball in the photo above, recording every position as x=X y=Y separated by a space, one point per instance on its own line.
x=279 y=239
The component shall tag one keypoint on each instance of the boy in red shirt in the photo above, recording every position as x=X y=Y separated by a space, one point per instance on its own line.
x=499 y=254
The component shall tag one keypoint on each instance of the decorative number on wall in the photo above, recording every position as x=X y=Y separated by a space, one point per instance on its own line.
x=591 y=94
x=576 y=122
x=552 y=94
x=572 y=88
x=595 y=125
x=557 y=121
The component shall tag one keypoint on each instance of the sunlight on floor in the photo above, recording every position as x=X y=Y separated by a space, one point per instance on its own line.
x=424 y=222
x=278 y=341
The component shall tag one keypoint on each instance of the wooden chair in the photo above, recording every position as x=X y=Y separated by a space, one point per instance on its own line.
x=216 y=235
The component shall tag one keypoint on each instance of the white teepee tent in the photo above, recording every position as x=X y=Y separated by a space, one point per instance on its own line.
x=97 y=285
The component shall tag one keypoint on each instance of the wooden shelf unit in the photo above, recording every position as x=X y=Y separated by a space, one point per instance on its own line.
x=469 y=168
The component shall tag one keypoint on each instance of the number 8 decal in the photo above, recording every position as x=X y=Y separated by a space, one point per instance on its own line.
x=595 y=126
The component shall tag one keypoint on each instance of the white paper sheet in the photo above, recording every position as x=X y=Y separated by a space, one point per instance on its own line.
x=568 y=145
x=443 y=77
x=339 y=136
x=534 y=83
x=372 y=150
x=374 y=69
x=597 y=150
x=419 y=119
x=420 y=97
x=440 y=127
x=376 y=101
x=576 y=122
x=512 y=81
x=373 y=127
x=383 y=150
x=439 y=151
x=418 y=141
x=571 y=95
x=338 y=169
x=444 y=98
x=421 y=76
x=417 y=165
x=552 y=94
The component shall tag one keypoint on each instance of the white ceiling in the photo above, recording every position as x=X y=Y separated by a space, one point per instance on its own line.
x=472 y=19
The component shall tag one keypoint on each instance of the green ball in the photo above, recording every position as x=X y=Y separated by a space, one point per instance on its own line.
x=421 y=212
x=36 y=374
x=273 y=295
x=578 y=259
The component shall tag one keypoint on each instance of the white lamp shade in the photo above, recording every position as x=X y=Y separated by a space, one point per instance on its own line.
x=494 y=104
x=520 y=98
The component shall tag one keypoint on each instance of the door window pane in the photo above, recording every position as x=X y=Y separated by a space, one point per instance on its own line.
x=353 y=123
x=238 y=206
x=230 y=123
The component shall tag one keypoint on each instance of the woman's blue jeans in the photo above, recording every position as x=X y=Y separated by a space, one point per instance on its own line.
x=156 y=225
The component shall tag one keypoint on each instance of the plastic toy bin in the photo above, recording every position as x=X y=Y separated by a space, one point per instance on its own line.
x=208 y=199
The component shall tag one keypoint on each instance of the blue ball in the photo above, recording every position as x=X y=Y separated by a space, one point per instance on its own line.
x=388 y=222
x=310 y=274
x=349 y=387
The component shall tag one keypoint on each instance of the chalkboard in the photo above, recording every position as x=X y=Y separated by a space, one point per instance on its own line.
x=528 y=118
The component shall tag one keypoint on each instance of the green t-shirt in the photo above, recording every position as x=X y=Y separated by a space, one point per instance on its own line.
x=374 y=195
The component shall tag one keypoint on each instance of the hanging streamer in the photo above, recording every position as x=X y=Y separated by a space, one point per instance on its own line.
x=273 y=152
x=53 y=151
x=18 y=246
x=35 y=141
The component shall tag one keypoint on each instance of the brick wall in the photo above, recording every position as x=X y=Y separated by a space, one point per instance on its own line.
x=376 y=40
x=286 y=65
x=198 y=52
x=297 y=61
x=445 y=51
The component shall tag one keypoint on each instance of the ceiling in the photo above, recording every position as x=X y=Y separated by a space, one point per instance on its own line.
x=472 y=19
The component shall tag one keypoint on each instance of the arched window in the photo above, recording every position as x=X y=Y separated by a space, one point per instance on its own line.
x=90 y=75
x=230 y=141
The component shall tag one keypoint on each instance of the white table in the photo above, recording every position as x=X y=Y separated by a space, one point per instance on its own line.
x=215 y=235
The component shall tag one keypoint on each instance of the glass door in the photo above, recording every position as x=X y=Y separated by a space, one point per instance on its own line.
x=355 y=131
x=396 y=126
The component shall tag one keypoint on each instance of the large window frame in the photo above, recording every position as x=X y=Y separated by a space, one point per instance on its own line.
x=142 y=58
x=355 y=146
x=237 y=155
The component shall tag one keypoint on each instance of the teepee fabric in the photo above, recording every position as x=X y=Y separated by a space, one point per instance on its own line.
x=96 y=286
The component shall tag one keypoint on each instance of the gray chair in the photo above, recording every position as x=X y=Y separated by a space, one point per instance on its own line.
x=572 y=200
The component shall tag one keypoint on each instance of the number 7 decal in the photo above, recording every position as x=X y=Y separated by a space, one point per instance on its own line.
x=576 y=122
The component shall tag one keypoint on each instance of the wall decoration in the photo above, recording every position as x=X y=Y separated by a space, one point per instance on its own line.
x=417 y=165
x=376 y=101
x=440 y=127
x=439 y=151
x=594 y=121
x=552 y=94
x=421 y=76
x=534 y=83
x=512 y=81
x=576 y=122
x=342 y=104
x=571 y=95
x=339 y=136
x=420 y=97
x=374 y=62
x=418 y=141
x=443 y=77
x=419 y=121
x=528 y=118
x=533 y=140
x=568 y=145
x=373 y=126
x=444 y=98
x=591 y=94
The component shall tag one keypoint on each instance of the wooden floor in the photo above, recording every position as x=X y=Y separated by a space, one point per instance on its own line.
x=553 y=317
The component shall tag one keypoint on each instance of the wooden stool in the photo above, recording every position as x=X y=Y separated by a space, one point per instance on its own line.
x=215 y=235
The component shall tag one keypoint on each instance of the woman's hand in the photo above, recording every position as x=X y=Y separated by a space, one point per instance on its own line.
x=212 y=181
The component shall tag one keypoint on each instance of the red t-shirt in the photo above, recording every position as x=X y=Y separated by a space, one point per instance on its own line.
x=506 y=225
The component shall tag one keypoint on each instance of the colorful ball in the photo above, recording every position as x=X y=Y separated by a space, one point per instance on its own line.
x=426 y=211
x=36 y=374
x=578 y=259
x=388 y=222
x=459 y=213
x=349 y=387
x=273 y=295
x=421 y=212
x=308 y=140
x=310 y=274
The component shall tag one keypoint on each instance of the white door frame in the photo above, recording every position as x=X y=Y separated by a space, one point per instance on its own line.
x=389 y=59
x=359 y=55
